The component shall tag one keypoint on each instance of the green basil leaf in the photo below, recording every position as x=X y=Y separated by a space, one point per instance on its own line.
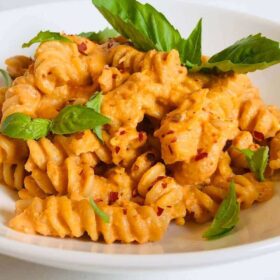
x=6 y=78
x=149 y=29
x=95 y=104
x=101 y=36
x=257 y=160
x=21 y=126
x=76 y=118
x=98 y=211
x=44 y=36
x=190 y=49
x=226 y=217
x=249 y=54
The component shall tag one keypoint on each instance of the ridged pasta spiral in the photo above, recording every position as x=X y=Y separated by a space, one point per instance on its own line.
x=248 y=190
x=111 y=78
x=22 y=97
x=59 y=216
x=12 y=150
x=274 y=160
x=13 y=154
x=152 y=184
x=194 y=134
x=63 y=165
x=12 y=174
x=59 y=63
x=256 y=117
x=224 y=171
x=199 y=205
x=18 y=65
x=162 y=66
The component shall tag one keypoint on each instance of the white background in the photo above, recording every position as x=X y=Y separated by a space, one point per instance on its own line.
x=265 y=267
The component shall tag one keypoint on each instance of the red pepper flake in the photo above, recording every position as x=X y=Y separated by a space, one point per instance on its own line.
x=82 y=48
x=113 y=196
x=124 y=211
x=141 y=136
x=98 y=200
x=169 y=132
x=122 y=132
x=170 y=149
x=200 y=156
x=135 y=168
x=117 y=149
x=134 y=192
x=164 y=185
x=159 y=211
x=258 y=135
x=173 y=140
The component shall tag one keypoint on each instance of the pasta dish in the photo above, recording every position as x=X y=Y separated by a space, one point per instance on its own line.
x=116 y=134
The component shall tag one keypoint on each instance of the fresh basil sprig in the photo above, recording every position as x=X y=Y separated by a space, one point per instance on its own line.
x=249 y=54
x=6 y=78
x=76 y=118
x=44 y=36
x=95 y=104
x=226 y=217
x=98 y=211
x=257 y=160
x=101 y=36
x=149 y=29
x=21 y=126
x=71 y=119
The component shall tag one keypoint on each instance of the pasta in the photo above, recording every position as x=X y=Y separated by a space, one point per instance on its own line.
x=129 y=222
x=129 y=140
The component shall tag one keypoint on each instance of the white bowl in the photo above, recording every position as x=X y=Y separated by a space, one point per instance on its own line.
x=183 y=247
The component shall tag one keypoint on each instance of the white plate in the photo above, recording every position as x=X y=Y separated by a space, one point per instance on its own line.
x=182 y=248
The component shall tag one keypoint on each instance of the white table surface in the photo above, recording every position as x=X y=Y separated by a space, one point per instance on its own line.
x=266 y=267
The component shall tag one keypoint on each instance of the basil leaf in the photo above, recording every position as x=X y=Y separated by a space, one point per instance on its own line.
x=257 y=160
x=190 y=49
x=76 y=118
x=6 y=78
x=149 y=29
x=23 y=127
x=95 y=104
x=98 y=211
x=101 y=36
x=44 y=36
x=246 y=55
x=226 y=217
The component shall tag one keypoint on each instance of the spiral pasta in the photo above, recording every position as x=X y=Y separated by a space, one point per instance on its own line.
x=169 y=152
x=18 y=65
x=255 y=116
x=59 y=216
x=199 y=205
x=63 y=165
x=248 y=190
x=12 y=174
x=274 y=162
